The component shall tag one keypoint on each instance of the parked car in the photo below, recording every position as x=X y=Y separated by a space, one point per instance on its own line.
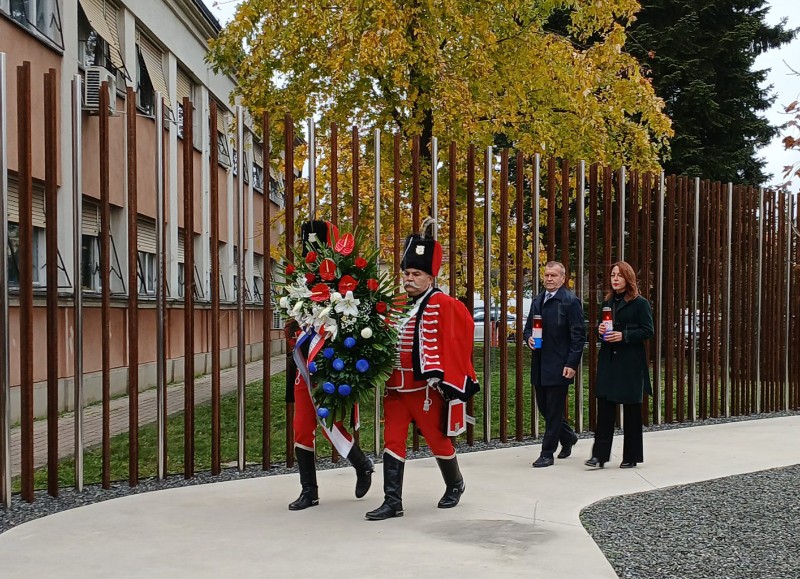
x=478 y=317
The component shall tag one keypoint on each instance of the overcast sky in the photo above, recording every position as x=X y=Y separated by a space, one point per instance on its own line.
x=785 y=85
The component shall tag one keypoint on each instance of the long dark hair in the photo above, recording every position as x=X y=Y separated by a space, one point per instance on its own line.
x=627 y=273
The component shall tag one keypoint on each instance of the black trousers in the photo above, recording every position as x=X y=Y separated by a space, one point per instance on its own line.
x=551 y=400
x=632 y=447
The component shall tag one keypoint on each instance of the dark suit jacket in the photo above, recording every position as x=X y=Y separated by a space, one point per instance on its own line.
x=563 y=337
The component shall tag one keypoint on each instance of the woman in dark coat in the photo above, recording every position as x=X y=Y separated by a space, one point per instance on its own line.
x=622 y=371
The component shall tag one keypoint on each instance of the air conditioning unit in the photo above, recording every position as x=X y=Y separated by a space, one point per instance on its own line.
x=95 y=77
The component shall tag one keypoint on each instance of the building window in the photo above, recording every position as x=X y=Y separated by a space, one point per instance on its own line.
x=93 y=50
x=14 y=256
x=222 y=147
x=90 y=262
x=147 y=273
x=145 y=94
x=40 y=17
x=258 y=178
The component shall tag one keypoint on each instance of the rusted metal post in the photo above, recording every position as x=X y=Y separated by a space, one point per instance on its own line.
x=312 y=170
x=451 y=217
x=695 y=304
x=241 y=385
x=51 y=220
x=788 y=305
x=580 y=231
x=726 y=305
x=757 y=297
x=551 y=209
x=216 y=430
x=659 y=349
x=377 y=154
x=161 y=353
x=435 y=186
x=487 y=295
x=565 y=220
x=288 y=124
x=5 y=341
x=592 y=297
x=621 y=206
x=266 y=320
x=415 y=196
x=502 y=328
x=105 y=280
x=536 y=232
x=334 y=174
x=355 y=154
x=471 y=264
x=133 y=294
x=396 y=233
x=519 y=280
x=188 y=285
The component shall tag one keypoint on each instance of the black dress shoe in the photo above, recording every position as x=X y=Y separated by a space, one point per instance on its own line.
x=543 y=461
x=595 y=462
x=566 y=449
x=627 y=465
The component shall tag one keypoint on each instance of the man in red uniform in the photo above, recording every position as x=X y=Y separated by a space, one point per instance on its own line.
x=433 y=364
x=305 y=413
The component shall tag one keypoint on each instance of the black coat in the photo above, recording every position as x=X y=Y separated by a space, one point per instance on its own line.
x=563 y=337
x=622 y=370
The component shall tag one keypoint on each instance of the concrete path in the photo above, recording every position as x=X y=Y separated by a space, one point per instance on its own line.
x=513 y=521
x=93 y=415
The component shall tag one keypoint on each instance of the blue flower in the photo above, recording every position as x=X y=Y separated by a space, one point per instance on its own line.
x=344 y=390
x=349 y=342
x=328 y=353
x=323 y=412
x=338 y=364
x=329 y=388
x=312 y=367
x=362 y=365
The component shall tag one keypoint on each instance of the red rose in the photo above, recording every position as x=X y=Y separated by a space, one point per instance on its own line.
x=346 y=244
x=361 y=263
x=372 y=285
x=310 y=277
x=381 y=307
x=320 y=293
x=347 y=284
x=290 y=269
x=327 y=269
x=311 y=257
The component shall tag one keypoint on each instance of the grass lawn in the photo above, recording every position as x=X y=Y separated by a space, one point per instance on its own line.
x=253 y=445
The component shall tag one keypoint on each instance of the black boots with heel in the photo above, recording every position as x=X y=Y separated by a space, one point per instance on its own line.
x=454 y=481
x=364 y=469
x=308 y=480
x=392 y=488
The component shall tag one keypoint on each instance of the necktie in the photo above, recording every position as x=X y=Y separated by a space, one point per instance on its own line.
x=547 y=296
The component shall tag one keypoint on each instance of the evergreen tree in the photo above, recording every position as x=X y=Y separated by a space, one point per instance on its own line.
x=701 y=55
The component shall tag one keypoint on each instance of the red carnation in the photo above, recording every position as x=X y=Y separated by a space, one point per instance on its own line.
x=381 y=307
x=327 y=269
x=320 y=293
x=346 y=244
x=290 y=269
x=361 y=263
x=372 y=284
x=311 y=257
x=310 y=277
x=347 y=284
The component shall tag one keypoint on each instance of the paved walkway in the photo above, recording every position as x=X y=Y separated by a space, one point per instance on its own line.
x=93 y=415
x=513 y=521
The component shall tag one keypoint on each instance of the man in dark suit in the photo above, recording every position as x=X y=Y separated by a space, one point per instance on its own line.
x=555 y=363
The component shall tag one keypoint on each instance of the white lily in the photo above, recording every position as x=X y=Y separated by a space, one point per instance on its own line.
x=321 y=317
x=348 y=305
x=336 y=297
x=284 y=303
x=299 y=290
x=331 y=329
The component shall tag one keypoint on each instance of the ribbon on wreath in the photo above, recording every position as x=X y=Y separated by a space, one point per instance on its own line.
x=336 y=435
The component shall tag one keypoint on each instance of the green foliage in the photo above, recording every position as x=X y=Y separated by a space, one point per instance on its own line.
x=701 y=57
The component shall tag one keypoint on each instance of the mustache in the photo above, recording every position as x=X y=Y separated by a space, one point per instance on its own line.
x=411 y=284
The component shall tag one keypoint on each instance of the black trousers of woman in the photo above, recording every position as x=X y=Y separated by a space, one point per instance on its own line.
x=632 y=447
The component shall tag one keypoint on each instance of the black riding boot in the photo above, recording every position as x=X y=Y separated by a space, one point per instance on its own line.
x=308 y=480
x=392 y=488
x=364 y=469
x=453 y=480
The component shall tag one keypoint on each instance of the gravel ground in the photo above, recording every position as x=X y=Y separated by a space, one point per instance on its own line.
x=43 y=505
x=743 y=526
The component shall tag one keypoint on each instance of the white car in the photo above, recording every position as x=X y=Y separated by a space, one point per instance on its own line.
x=478 y=318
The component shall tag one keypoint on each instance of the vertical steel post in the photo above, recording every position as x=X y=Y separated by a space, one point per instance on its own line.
x=621 y=203
x=240 y=364
x=377 y=153
x=312 y=170
x=788 y=312
x=487 y=296
x=161 y=353
x=581 y=227
x=537 y=160
x=759 y=281
x=77 y=290
x=435 y=187
x=5 y=361
x=659 y=316
x=726 y=308
x=694 y=312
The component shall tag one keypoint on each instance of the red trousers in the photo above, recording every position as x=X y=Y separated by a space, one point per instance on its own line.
x=400 y=408
x=305 y=417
